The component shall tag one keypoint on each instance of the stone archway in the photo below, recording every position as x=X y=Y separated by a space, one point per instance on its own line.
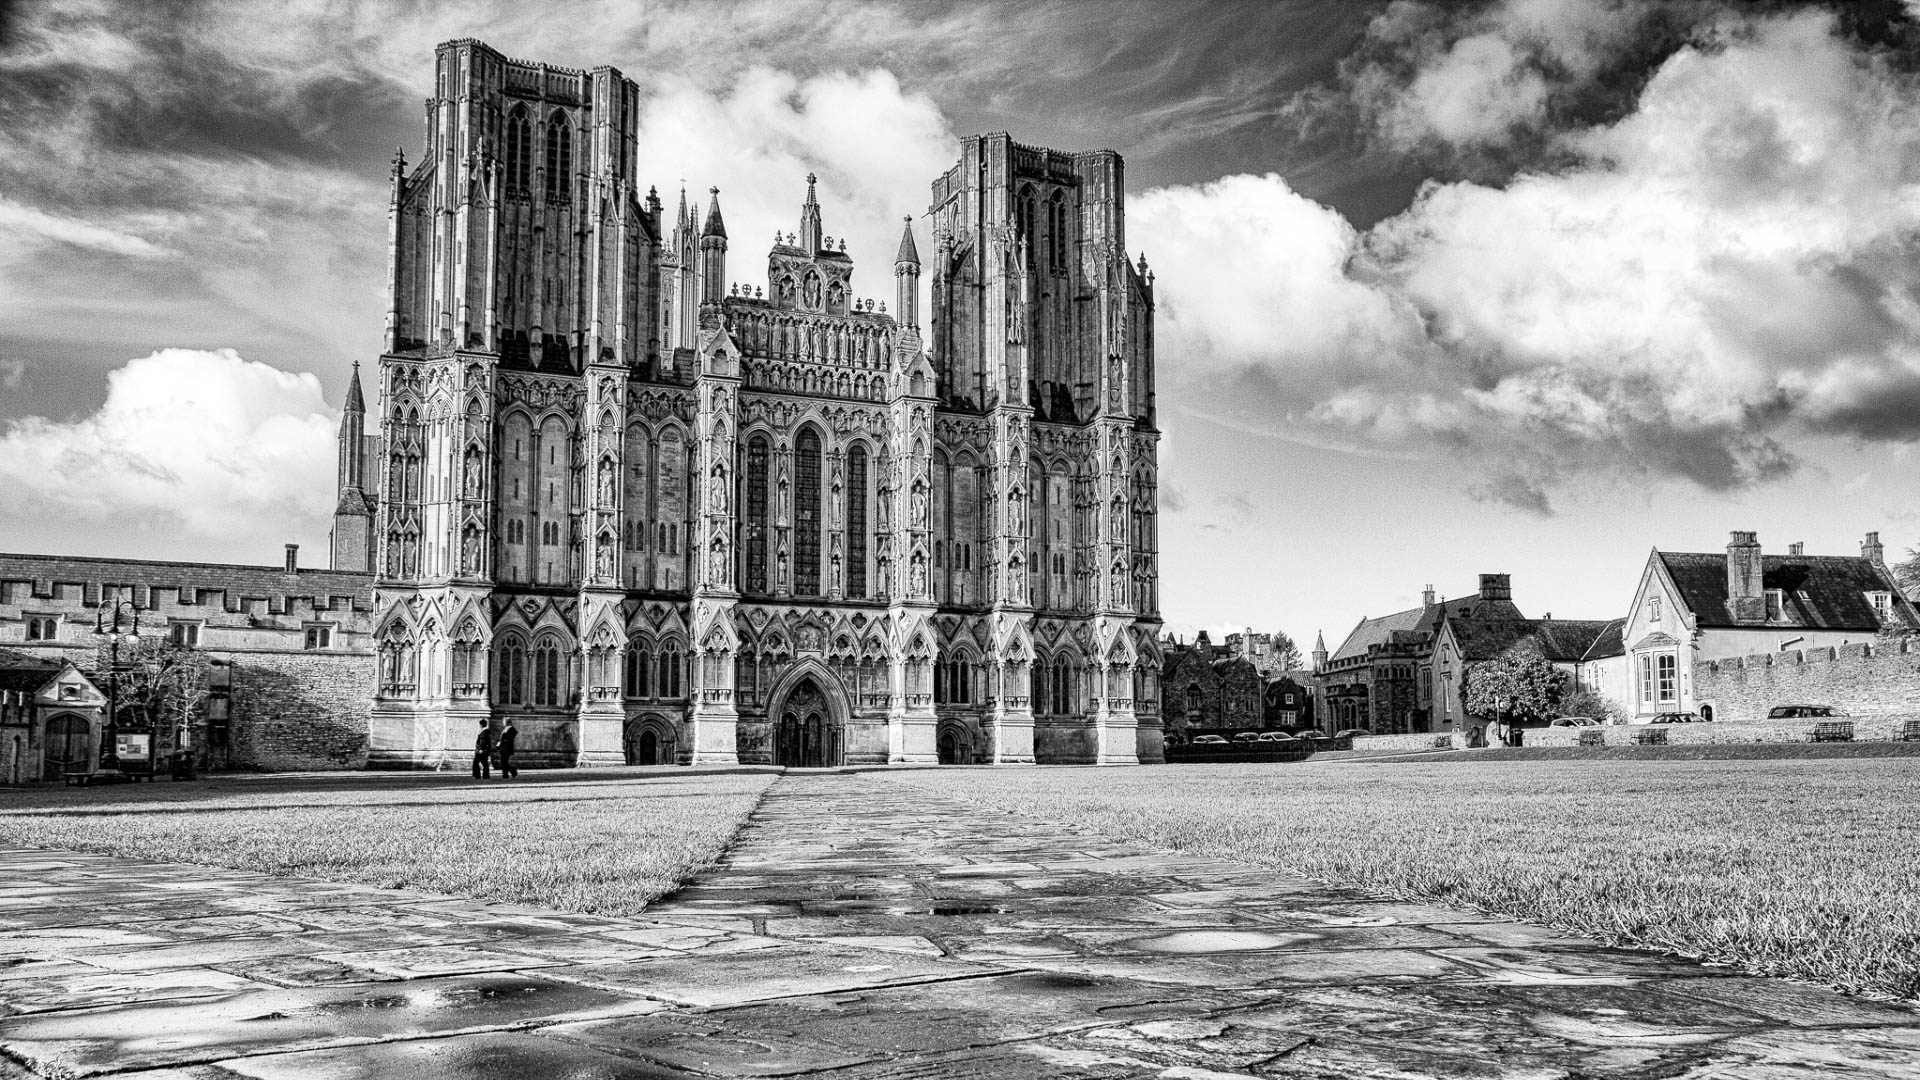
x=650 y=740
x=68 y=745
x=807 y=712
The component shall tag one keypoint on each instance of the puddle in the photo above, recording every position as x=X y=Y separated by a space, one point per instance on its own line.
x=1213 y=941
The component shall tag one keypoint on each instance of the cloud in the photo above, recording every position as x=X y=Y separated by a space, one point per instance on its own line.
x=27 y=224
x=1725 y=267
x=206 y=443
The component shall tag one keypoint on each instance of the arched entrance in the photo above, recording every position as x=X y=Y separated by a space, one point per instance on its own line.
x=649 y=741
x=804 y=735
x=955 y=743
x=69 y=744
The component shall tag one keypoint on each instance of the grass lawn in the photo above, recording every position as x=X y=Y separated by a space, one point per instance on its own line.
x=1805 y=868
x=603 y=843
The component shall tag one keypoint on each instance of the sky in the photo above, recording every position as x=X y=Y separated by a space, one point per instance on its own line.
x=1443 y=288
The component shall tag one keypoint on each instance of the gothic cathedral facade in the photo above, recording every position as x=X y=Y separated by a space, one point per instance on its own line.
x=654 y=517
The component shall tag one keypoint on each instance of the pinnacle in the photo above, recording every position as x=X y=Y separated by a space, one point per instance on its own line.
x=908 y=253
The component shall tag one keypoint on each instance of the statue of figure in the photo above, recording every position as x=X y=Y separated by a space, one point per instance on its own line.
x=717 y=491
x=606 y=482
x=1016 y=581
x=470 y=478
x=919 y=505
x=1119 y=520
x=717 y=564
x=813 y=291
x=1113 y=382
x=918 y=586
x=1015 y=503
x=603 y=559
x=885 y=512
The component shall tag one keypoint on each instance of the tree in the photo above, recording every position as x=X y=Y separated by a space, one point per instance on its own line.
x=1520 y=685
x=162 y=685
x=1582 y=701
x=1907 y=573
x=1286 y=654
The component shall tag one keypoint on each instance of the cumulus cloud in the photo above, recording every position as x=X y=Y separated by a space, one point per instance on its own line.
x=1726 y=265
x=204 y=443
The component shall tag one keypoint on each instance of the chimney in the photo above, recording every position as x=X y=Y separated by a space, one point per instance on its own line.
x=1496 y=587
x=1426 y=598
x=1797 y=548
x=1745 y=600
x=1871 y=550
x=293 y=558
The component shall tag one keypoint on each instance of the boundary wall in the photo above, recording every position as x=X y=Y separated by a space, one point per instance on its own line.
x=1863 y=679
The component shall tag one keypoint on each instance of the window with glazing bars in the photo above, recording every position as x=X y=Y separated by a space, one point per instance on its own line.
x=757 y=515
x=806 y=515
x=857 y=524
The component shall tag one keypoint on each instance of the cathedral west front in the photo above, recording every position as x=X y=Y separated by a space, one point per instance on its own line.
x=653 y=514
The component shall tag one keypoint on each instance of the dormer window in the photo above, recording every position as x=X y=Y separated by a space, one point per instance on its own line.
x=1882 y=605
x=1776 y=604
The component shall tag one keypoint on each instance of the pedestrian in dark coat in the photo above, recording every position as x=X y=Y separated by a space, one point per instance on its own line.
x=508 y=736
x=483 y=752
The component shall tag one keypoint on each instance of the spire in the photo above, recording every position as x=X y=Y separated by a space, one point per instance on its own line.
x=356 y=402
x=810 y=220
x=715 y=226
x=908 y=253
x=683 y=219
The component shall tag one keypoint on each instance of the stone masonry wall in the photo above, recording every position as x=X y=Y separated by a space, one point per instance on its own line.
x=1865 y=679
x=300 y=710
x=1865 y=729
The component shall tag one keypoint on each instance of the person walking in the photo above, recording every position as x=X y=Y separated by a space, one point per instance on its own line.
x=483 y=752
x=508 y=736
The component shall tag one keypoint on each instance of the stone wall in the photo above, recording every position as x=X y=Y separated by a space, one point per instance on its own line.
x=1421 y=741
x=300 y=710
x=1865 y=729
x=1864 y=679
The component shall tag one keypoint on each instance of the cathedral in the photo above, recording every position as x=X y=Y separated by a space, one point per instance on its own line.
x=653 y=515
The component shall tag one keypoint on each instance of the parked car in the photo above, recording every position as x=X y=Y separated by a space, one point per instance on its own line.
x=1247 y=736
x=1788 y=712
x=1676 y=718
x=1351 y=732
x=1274 y=736
x=1575 y=721
x=1208 y=740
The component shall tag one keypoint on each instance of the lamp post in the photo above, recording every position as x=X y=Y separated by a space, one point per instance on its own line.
x=109 y=621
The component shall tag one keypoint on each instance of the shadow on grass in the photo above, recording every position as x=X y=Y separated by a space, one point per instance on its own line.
x=220 y=787
x=253 y=807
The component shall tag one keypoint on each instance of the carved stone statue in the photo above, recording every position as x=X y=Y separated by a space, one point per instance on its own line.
x=717 y=491
x=813 y=291
x=918 y=586
x=919 y=520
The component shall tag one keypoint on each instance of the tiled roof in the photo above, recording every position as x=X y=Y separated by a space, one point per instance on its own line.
x=1611 y=642
x=1417 y=625
x=1827 y=592
x=27 y=678
x=1562 y=640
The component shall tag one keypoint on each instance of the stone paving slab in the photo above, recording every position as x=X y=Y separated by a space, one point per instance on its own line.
x=858 y=930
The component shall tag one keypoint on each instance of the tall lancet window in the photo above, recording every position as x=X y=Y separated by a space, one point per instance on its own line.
x=1057 y=232
x=806 y=514
x=857 y=523
x=756 y=544
x=519 y=150
x=559 y=157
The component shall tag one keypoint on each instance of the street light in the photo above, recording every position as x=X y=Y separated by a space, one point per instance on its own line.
x=109 y=755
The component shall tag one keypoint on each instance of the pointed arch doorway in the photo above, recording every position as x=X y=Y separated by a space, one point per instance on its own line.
x=808 y=710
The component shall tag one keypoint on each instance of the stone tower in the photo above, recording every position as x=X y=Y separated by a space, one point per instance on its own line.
x=653 y=515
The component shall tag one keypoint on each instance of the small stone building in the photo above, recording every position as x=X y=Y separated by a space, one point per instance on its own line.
x=50 y=720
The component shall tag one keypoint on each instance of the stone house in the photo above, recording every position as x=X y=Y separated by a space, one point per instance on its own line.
x=1381 y=678
x=1462 y=643
x=1205 y=687
x=1695 y=607
x=1290 y=700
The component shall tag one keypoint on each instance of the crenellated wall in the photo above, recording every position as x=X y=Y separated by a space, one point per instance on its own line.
x=1862 y=679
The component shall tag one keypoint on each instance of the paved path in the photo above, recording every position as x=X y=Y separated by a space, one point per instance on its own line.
x=858 y=929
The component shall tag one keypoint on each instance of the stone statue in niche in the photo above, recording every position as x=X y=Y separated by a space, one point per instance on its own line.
x=918 y=585
x=1119 y=526
x=1015 y=508
x=919 y=520
x=603 y=558
x=717 y=563
x=813 y=291
x=786 y=292
x=717 y=491
x=470 y=476
x=470 y=552
x=606 y=482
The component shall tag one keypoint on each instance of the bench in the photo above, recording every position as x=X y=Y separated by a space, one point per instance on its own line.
x=1595 y=737
x=77 y=777
x=1650 y=737
x=1909 y=732
x=1831 y=731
